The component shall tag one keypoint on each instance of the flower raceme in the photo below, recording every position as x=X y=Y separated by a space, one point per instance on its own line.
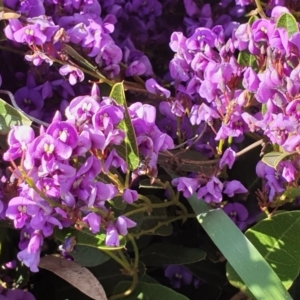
x=61 y=167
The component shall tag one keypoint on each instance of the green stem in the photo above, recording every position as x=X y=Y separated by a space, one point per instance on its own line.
x=260 y=9
x=160 y=224
x=146 y=200
x=127 y=292
x=146 y=208
x=124 y=263
x=135 y=250
x=127 y=178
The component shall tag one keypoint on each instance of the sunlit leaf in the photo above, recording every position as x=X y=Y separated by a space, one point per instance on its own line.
x=272 y=159
x=128 y=150
x=246 y=260
x=247 y=59
x=9 y=116
x=287 y=21
x=278 y=241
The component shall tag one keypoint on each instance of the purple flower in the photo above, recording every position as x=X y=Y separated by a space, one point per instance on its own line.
x=82 y=108
x=122 y=223
x=114 y=160
x=202 y=113
x=19 y=138
x=279 y=129
x=20 y=209
x=228 y=158
x=38 y=57
x=130 y=196
x=64 y=132
x=49 y=148
x=45 y=223
x=201 y=37
x=289 y=171
x=212 y=191
x=178 y=275
x=237 y=213
x=31 y=35
x=30 y=256
x=177 y=109
x=29 y=100
x=186 y=185
x=107 y=118
x=234 y=187
x=93 y=221
x=30 y=259
x=74 y=73
x=153 y=87
x=251 y=80
x=144 y=112
x=112 y=237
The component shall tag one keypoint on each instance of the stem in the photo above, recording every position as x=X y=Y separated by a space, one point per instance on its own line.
x=127 y=292
x=134 y=269
x=124 y=263
x=146 y=200
x=260 y=9
x=160 y=224
x=127 y=178
x=135 y=250
x=146 y=208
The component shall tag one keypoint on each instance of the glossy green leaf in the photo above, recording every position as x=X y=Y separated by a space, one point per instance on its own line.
x=278 y=240
x=9 y=116
x=128 y=150
x=86 y=238
x=246 y=59
x=287 y=21
x=148 y=291
x=88 y=256
x=209 y=271
x=110 y=274
x=167 y=254
x=255 y=272
x=272 y=159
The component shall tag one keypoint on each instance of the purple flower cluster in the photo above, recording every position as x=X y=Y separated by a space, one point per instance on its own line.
x=60 y=171
x=234 y=99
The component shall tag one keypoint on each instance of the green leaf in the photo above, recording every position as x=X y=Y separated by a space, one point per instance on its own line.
x=128 y=150
x=148 y=279
x=88 y=256
x=167 y=254
x=278 y=241
x=148 y=291
x=287 y=21
x=272 y=159
x=209 y=271
x=110 y=274
x=245 y=59
x=9 y=116
x=86 y=238
x=255 y=272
